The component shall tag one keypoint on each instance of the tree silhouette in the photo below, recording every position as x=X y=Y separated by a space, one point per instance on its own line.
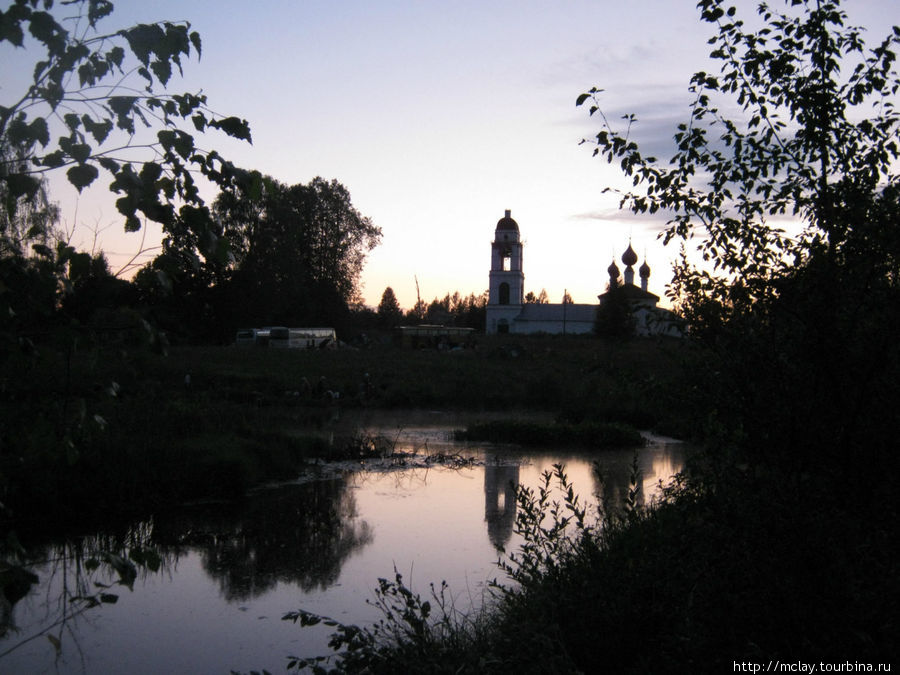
x=298 y=251
x=389 y=312
x=614 y=319
x=795 y=322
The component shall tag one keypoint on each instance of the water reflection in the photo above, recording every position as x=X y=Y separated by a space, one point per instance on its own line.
x=501 y=480
x=228 y=572
x=300 y=534
x=614 y=471
x=58 y=583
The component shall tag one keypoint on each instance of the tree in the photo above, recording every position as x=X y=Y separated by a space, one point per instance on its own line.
x=28 y=221
x=795 y=319
x=795 y=153
x=297 y=251
x=567 y=298
x=470 y=311
x=614 y=319
x=418 y=312
x=439 y=311
x=541 y=299
x=92 y=88
x=389 y=312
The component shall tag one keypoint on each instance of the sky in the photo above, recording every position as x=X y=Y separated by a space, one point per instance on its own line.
x=438 y=117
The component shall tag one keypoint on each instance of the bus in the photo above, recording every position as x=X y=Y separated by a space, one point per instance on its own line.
x=282 y=337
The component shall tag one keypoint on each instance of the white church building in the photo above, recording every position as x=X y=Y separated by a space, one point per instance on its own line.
x=507 y=311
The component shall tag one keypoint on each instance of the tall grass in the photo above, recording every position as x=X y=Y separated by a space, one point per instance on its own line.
x=597 y=435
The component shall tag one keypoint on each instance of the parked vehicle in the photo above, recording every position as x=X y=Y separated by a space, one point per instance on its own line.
x=282 y=337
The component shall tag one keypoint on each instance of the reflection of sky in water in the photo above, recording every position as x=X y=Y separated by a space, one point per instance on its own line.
x=433 y=524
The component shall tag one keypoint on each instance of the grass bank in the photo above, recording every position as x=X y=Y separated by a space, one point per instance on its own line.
x=589 y=434
x=128 y=431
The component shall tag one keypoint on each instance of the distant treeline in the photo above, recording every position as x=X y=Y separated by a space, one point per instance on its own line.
x=452 y=310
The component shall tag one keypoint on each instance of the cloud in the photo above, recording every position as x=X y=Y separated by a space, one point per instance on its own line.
x=658 y=109
x=641 y=222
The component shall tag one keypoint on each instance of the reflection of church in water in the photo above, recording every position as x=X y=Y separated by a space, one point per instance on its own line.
x=507 y=311
x=500 y=484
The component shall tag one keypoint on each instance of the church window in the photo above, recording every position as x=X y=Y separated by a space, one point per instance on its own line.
x=504 y=293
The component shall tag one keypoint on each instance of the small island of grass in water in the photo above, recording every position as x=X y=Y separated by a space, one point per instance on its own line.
x=597 y=435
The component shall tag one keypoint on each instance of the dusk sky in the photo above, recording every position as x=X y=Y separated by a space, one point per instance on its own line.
x=439 y=116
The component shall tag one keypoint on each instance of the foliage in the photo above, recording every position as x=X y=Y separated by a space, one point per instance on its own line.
x=451 y=310
x=413 y=635
x=296 y=255
x=94 y=103
x=389 y=312
x=794 y=316
x=417 y=312
x=551 y=531
x=31 y=222
x=710 y=575
x=615 y=318
x=797 y=152
x=83 y=94
x=540 y=299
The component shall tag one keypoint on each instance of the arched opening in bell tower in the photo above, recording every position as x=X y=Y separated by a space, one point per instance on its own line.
x=504 y=294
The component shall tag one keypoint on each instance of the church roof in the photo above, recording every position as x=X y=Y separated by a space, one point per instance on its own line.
x=507 y=223
x=534 y=311
x=631 y=292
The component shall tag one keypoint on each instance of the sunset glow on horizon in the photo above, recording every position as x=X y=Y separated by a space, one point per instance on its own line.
x=438 y=117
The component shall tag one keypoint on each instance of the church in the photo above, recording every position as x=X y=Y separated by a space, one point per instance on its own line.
x=507 y=311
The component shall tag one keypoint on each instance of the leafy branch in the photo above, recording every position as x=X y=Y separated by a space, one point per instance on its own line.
x=81 y=96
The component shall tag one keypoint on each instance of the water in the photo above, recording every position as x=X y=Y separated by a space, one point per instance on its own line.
x=229 y=572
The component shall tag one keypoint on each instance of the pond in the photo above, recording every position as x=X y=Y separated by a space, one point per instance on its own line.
x=228 y=572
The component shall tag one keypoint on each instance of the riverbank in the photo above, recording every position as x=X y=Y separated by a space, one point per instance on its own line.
x=128 y=432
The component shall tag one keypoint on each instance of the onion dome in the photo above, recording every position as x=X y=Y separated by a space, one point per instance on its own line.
x=629 y=257
x=644 y=270
x=613 y=270
x=507 y=223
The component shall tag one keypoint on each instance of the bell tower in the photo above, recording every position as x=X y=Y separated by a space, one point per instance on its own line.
x=506 y=291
